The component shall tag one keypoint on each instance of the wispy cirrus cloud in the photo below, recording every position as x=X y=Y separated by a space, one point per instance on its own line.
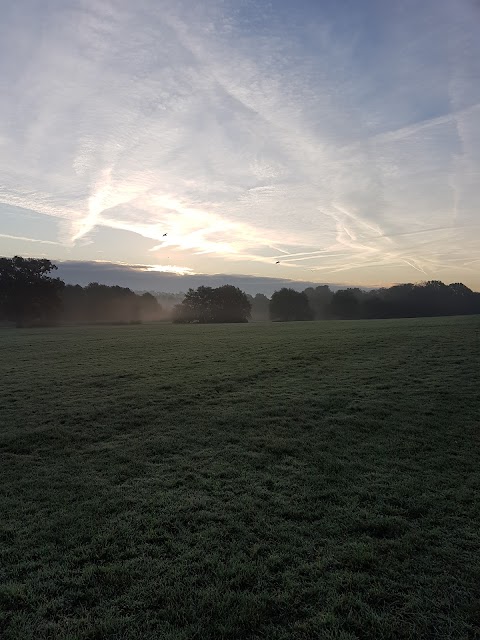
x=331 y=141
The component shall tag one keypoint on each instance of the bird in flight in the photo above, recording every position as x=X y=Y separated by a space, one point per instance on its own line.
x=277 y=262
x=164 y=234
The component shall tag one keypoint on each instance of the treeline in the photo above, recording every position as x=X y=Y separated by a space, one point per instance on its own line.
x=101 y=304
x=31 y=296
x=432 y=298
x=230 y=304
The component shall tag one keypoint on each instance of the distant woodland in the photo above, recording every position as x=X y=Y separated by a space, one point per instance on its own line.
x=30 y=295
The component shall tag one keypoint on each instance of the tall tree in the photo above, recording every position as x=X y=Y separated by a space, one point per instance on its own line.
x=74 y=304
x=319 y=299
x=205 y=304
x=150 y=308
x=99 y=303
x=288 y=304
x=345 y=304
x=111 y=304
x=28 y=293
x=196 y=306
x=259 y=304
x=230 y=304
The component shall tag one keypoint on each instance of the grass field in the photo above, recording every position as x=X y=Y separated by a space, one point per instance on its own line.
x=280 y=481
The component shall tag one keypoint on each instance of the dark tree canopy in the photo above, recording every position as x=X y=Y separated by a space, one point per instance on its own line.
x=288 y=304
x=206 y=304
x=150 y=308
x=30 y=296
x=99 y=303
x=28 y=293
x=431 y=298
x=260 y=304
x=230 y=304
x=346 y=303
x=319 y=299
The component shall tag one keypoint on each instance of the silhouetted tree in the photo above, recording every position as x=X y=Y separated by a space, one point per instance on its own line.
x=345 y=304
x=196 y=306
x=319 y=299
x=111 y=304
x=431 y=298
x=150 y=308
x=259 y=303
x=402 y=300
x=230 y=304
x=460 y=290
x=181 y=314
x=74 y=304
x=99 y=303
x=288 y=304
x=463 y=300
x=28 y=293
x=373 y=306
x=205 y=304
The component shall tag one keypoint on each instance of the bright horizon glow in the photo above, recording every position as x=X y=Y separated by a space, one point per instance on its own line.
x=165 y=268
x=341 y=141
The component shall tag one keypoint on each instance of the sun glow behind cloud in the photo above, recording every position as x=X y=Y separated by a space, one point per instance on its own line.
x=249 y=135
x=147 y=268
x=163 y=268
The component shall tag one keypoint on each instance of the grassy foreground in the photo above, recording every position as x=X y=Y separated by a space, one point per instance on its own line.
x=305 y=480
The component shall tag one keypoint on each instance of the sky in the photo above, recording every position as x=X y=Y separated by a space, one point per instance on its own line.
x=316 y=140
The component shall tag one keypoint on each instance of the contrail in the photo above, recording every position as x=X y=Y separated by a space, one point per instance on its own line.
x=281 y=250
x=25 y=239
x=414 y=266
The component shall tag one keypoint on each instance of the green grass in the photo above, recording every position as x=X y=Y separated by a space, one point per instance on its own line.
x=280 y=481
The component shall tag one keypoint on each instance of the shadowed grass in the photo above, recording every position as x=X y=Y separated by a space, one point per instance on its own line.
x=306 y=480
